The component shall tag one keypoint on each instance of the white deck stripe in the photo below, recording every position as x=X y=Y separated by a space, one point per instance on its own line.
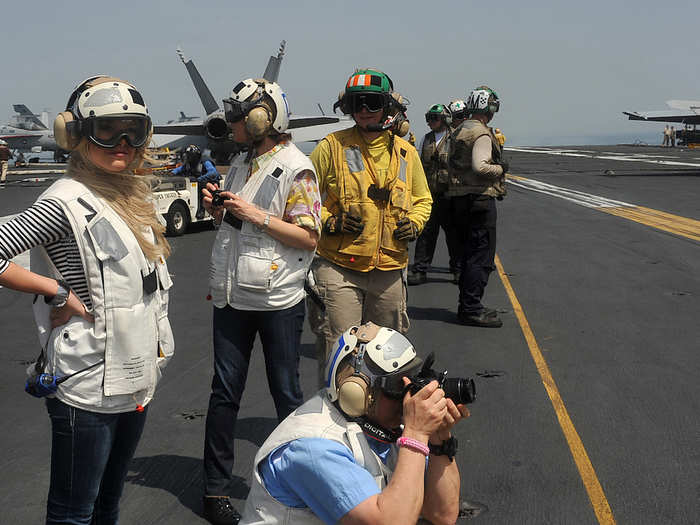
x=578 y=197
x=607 y=155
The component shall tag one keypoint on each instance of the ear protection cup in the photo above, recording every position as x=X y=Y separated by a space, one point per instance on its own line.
x=258 y=122
x=354 y=396
x=403 y=128
x=66 y=131
x=66 y=127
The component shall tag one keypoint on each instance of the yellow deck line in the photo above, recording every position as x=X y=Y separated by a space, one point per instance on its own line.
x=683 y=226
x=583 y=463
x=675 y=224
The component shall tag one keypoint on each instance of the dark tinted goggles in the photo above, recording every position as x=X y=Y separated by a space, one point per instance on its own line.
x=373 y=102
x=235 y=111
x=432 y=117
x=108 y=132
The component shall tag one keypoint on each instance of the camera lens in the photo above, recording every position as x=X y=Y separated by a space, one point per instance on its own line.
x=460 y=390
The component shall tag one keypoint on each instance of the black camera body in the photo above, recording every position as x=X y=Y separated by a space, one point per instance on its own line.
x=216 y=198
x=461 y=390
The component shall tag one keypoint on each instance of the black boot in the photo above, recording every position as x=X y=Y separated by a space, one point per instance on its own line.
x=219 y=511
x=415 y=278
x=486 y=319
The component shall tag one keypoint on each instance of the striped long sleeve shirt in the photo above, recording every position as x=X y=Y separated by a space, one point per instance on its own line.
x=45 y=224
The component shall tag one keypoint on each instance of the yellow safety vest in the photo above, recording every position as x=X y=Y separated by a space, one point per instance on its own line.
x=356 y=185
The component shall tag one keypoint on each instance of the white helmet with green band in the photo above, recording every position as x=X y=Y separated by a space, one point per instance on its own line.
x=483 y=100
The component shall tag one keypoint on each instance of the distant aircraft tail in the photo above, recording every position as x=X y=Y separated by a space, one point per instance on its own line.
x=272 y=71
x=208 y=101
x=27 y=117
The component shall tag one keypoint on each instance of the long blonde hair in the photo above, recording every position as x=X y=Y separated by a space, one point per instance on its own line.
x=128 y=194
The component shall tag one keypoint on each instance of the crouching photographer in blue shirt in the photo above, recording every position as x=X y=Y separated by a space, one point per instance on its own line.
x=373 y=446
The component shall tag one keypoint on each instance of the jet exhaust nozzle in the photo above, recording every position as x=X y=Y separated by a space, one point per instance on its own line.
x=217 y=128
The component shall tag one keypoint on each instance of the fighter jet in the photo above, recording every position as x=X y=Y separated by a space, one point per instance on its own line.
x=27 y=133
x=213 y=132
x=681 y=111
x=182 y=118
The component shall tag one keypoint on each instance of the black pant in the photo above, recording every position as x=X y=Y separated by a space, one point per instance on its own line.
x=474 y=216
x=440 y=217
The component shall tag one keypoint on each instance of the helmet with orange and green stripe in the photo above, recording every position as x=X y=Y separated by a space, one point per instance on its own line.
x=369 y=88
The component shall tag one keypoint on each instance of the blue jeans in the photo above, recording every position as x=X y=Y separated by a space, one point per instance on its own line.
x=234 y=335
x=90 y=455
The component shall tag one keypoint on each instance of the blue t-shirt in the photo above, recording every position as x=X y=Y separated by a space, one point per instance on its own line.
x=320 y=474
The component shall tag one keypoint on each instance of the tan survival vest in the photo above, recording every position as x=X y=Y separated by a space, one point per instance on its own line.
x=463 y=180
x=434 y=157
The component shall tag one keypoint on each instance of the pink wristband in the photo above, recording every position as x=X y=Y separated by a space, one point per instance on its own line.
x=413 y=444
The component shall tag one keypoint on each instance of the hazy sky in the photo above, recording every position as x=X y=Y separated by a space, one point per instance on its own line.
x=564 y=71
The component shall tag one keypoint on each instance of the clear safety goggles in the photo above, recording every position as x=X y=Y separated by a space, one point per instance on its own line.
x=373 y=102
x=235 y=111
x=108 y=132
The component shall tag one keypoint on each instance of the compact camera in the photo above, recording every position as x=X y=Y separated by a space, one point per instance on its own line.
x=216 y=198
x=41 y=385
x=461 y=390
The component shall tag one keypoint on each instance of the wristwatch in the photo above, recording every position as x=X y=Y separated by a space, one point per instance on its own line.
x=61 y=297
x=447 y=448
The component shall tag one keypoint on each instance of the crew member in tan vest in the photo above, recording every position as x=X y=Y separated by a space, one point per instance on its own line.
x=433 y=150
x=5 y=155
x=477 y=178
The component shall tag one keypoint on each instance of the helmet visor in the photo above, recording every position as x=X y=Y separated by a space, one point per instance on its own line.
x=109 y=131
x=372 y=101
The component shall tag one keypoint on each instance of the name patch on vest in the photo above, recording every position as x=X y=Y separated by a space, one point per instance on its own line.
x=353 y=156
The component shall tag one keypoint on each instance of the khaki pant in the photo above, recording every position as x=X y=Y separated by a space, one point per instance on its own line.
x=3 y=170
x=353 y=298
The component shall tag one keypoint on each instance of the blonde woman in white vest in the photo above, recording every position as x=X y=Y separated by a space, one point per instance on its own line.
x=269 y=211
x=101 y=283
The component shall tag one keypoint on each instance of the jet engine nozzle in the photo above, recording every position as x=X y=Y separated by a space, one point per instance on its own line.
x=217 y=128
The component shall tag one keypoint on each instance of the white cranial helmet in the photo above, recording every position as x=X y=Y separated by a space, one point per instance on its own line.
x=483 y=100
x=249 y=93
x=113 y=98
x=367 y=358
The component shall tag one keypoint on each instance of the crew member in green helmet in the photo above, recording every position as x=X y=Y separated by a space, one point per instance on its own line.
x=375 y=200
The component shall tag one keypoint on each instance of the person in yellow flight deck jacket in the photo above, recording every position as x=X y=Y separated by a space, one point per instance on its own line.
x=375 y=200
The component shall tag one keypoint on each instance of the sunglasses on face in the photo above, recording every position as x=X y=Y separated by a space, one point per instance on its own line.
x=108 y=132
x=373 y=102
x=433 y=118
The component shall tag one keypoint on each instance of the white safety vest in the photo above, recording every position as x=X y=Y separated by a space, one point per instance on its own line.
x=317 y=418
x=251 y=270
x=129 y=297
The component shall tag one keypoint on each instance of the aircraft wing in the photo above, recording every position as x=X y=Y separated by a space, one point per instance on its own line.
x=27 y=116
x=682 y=117
x=181 y=128
x=311 y=129
x=302 y=128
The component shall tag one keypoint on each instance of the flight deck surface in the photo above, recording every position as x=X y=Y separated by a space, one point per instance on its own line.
x=588 y=406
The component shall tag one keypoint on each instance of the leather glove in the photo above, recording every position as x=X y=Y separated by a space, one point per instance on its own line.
x=344 y=223
x=505 y=166
x=405 y=230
